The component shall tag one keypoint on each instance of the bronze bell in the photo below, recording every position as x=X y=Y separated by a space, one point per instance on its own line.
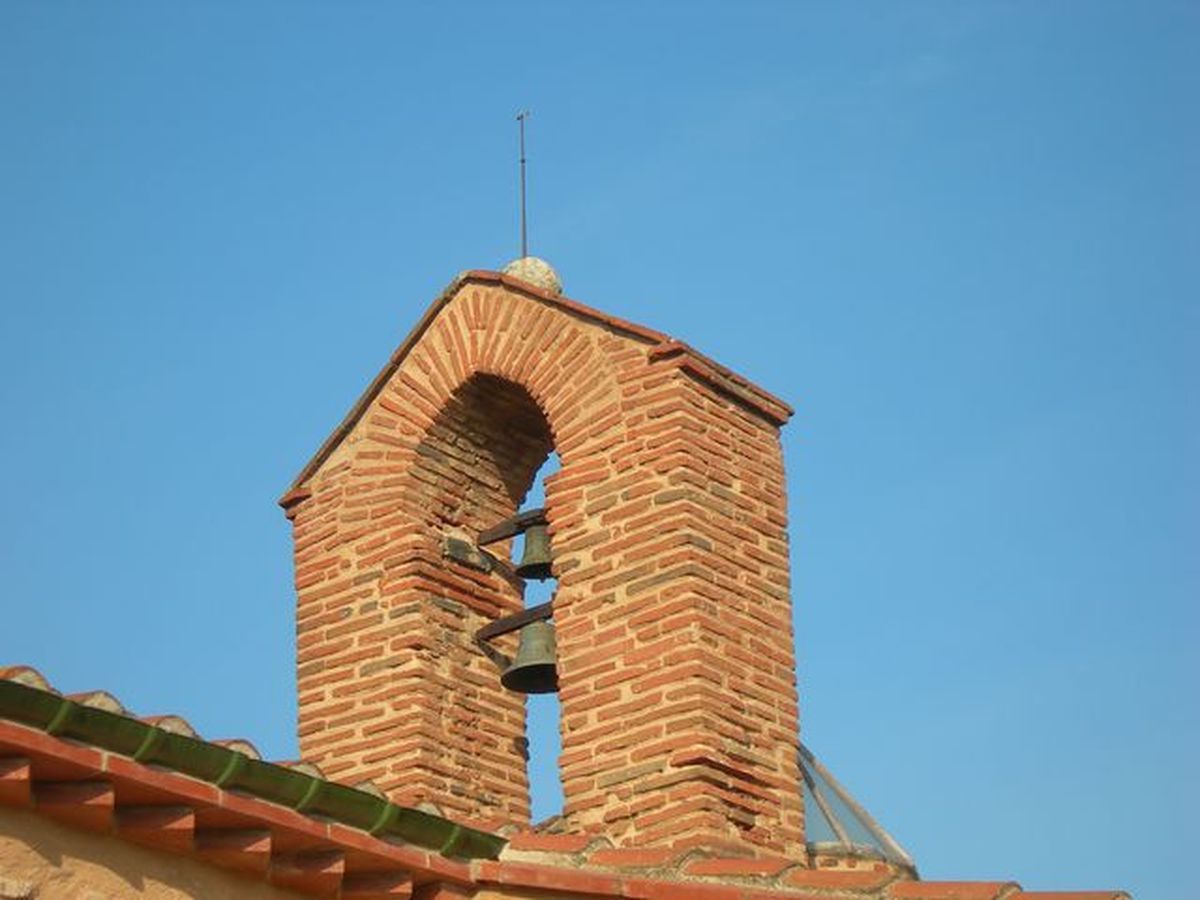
x=535 y=559
x=532 y=671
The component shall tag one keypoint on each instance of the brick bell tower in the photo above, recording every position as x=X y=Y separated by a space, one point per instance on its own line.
x=668 y=522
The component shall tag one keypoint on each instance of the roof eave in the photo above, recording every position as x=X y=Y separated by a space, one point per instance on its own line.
x=145 y=744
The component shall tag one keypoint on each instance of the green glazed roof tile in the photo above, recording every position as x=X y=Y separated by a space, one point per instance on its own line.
x=42 y=708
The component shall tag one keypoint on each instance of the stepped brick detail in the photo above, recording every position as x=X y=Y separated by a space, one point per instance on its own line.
x=673 y=613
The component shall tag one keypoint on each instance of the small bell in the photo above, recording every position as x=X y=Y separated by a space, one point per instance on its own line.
x=535 y=559
x=532 y=671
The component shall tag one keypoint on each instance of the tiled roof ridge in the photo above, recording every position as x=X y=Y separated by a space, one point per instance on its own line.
x=98 y=719
x=584 y=866
x=101 y=699
x=592 y=864
x=531 y=852
x=82 y=740
x=688 y=359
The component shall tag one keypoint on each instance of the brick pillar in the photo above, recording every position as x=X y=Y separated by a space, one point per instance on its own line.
x=392 y=687
x=673 y=613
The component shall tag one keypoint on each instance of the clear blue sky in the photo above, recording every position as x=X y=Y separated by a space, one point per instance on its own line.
x=962 y=238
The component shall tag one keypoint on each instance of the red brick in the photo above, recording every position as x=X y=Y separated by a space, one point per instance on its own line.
x=632 y=858
x=554 y=843
x=950 y=890
x=738 y=867
x=550 y=878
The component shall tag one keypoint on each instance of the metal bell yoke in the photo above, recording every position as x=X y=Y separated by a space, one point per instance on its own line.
x=536 y=557
x=533 y=670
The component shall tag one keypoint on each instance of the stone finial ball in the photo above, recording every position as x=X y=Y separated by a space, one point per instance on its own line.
x=535 y=271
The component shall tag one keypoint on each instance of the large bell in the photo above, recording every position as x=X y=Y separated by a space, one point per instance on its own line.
x=532 y=671
x=535 y=559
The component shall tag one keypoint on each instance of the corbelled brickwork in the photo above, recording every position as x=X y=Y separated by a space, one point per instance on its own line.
x=673 y=614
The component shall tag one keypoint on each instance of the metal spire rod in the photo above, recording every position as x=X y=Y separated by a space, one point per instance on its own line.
x=521 y=117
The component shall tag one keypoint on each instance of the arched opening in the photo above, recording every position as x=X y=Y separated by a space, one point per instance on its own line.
x=471 y=470
x=485 y=458
x=542 y=710
x=481 y=452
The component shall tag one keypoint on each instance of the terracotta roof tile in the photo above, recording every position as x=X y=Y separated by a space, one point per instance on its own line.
x=634 y=857
x=551 y=843
x=747 y=867
x=240 y=745
x=172 y=724
x=302 y=765
x=370 y=787
x=26 y=675
x=99 y=700
x=842 y=879
x=952 y=890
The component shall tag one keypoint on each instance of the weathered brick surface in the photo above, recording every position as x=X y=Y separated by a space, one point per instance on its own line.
x=669 y=526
